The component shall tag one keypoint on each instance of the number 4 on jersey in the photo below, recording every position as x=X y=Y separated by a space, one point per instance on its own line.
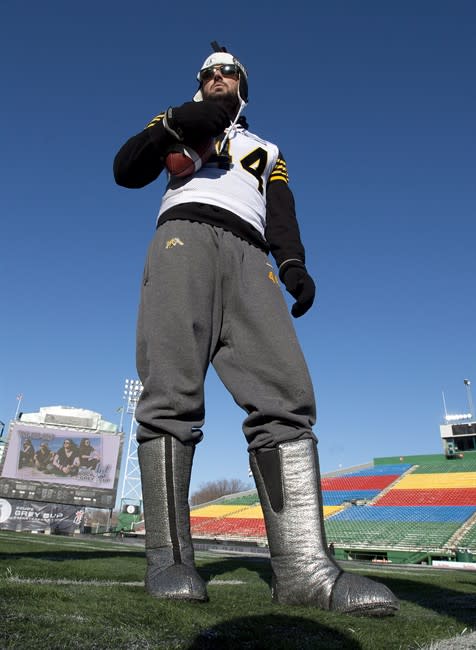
x=255 y=164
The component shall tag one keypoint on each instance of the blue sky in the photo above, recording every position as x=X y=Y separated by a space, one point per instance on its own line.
x=373 y=105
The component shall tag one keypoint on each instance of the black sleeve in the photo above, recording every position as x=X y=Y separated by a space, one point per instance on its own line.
x=282 y=229
x=141 y=159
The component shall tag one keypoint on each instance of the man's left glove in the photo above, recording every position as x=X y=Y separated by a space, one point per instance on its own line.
x=300 y=285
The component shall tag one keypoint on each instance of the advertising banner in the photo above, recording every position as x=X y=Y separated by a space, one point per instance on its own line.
x=32 y=515
x=467 y=566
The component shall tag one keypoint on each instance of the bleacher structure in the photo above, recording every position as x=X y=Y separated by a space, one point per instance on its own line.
x=400 y=509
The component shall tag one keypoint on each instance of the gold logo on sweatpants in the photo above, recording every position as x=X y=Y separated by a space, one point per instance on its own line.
x=174 y=242
x=273 y=277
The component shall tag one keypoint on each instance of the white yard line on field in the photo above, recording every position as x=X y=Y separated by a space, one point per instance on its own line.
x=13 y=579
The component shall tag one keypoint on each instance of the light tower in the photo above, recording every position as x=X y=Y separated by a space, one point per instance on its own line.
x=131 y=492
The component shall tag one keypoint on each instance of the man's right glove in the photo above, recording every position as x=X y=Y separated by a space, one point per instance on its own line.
x=194 y=121
x=300 y=285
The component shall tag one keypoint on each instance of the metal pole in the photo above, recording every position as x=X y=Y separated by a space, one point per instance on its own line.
x=122 y=418
x=108 y=522
x=19 y=400
x=467 y=383
x=444 y=404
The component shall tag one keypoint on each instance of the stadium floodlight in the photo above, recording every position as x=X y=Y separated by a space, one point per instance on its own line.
x=456 y=417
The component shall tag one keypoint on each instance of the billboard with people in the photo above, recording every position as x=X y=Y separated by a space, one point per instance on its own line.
x=60 y=465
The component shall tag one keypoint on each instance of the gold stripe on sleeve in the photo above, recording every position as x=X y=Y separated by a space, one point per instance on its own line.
x=280 y=172
x=158 y=118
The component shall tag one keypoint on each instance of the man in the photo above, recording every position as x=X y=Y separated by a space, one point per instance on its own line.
x=88 y=456
x=27 y=455
x=66 y=459
x=210 y=295
x=44 y=458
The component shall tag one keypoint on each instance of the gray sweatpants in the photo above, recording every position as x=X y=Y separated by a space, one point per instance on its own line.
x=210 y=297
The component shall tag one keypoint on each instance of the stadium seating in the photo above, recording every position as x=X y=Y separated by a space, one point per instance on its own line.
x=240 y=517
x=338 y=497
x=345 y=483
x=382 y=470
x=429 y=497
x=423 y=505
x=466 y=464
x=407 y=513
x=436 y=480
x=389 y=535
x=423 y=509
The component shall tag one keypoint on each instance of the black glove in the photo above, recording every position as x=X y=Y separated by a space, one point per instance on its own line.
x=196 y=120
x=300 y=285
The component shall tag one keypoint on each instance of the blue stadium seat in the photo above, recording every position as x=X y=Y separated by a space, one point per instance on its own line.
x=379 y=470
x=336 y=497
x=406 y=513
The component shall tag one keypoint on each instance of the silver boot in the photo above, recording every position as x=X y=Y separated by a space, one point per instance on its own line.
x=288 y=483
x=166 y=465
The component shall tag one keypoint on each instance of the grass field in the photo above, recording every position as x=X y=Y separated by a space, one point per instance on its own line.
x=61 y=592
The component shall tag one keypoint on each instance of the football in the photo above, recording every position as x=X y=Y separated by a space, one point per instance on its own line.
x=183 y=160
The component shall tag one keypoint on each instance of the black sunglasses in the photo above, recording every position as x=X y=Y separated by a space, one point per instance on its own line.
x=227 y=70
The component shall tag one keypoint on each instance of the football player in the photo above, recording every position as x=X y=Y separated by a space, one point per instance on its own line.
x=211 y=295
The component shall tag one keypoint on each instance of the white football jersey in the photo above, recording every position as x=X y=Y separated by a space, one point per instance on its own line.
x=235 y=179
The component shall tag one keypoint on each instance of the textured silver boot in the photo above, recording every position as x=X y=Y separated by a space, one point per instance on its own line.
x=166 y=466
x=288 y=483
